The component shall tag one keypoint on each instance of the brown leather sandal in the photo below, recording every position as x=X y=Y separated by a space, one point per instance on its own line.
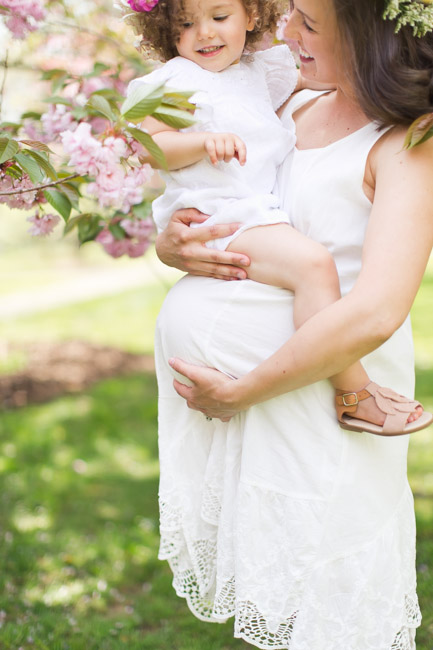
x=396 y=407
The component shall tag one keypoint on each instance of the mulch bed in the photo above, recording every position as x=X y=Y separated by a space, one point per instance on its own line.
x=55 y=369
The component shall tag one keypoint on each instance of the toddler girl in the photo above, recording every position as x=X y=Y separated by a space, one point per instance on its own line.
x=226 y=166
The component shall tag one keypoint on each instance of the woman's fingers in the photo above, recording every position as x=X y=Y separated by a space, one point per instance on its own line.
x=188 y=216
x=203 y=393
x=184 y=247
x=183 y=368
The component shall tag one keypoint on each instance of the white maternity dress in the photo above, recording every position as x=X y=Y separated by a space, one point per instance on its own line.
x=242 y=99
x=300 y=530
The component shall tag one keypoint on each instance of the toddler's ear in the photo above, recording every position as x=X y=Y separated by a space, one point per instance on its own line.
x=252 y=19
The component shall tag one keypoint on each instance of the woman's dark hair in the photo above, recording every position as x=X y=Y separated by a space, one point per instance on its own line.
x=392 y=72
x=161 y=28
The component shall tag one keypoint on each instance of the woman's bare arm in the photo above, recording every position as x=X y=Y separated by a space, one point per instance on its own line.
x=397 y=247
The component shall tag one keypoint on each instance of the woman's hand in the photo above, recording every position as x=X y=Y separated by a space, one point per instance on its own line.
x=184 y=248
x=211 y=391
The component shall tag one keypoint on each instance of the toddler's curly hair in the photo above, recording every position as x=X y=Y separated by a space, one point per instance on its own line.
x=161 y=27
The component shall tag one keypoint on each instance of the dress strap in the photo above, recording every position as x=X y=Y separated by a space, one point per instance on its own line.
x=299 y=99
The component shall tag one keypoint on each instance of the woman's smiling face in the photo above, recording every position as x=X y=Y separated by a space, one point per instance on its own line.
x=313 y=25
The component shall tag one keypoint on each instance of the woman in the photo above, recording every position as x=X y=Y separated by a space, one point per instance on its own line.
x=302 y=531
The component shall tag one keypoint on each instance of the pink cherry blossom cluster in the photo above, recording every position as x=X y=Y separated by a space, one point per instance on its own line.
x=142 y=5
x=58 y=118
x=22 y=16
x=43 y=224
x=23 y=201
x=135 y=244
x=117 y=184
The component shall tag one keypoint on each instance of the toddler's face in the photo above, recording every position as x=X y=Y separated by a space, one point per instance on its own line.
x=213 y=33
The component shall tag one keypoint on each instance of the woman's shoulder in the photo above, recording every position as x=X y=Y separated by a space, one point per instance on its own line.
x=391 y=153
x=394 y=142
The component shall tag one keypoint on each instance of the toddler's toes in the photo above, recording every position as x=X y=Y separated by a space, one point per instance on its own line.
x=414 y=416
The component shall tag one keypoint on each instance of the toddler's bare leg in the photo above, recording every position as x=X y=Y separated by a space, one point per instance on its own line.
x=283 y=257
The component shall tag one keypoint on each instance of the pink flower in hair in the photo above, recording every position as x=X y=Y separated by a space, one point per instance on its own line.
x=142 y=5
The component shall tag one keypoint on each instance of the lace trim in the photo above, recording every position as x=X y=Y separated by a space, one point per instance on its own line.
x=214 y=598
x=405 y=640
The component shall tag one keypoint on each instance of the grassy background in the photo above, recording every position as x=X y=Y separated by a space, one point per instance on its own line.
x=78 y=488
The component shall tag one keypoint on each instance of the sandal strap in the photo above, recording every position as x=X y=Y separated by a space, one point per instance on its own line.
x=396 y=407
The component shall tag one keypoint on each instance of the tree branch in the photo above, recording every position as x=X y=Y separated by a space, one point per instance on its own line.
x=36 y=188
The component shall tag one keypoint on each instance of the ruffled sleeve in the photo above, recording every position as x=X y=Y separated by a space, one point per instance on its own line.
x=181 y=74
x=280 y=72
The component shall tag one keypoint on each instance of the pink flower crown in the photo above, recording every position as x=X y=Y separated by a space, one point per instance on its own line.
x=142 y=5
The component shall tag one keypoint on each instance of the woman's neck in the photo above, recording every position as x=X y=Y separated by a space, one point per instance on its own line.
x=326 y=119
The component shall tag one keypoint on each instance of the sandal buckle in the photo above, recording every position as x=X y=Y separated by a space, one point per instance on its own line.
x=355 y=403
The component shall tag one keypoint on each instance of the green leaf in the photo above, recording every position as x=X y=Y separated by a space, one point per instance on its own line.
x=47 y=75
x=149 y=144
x=10 y=125
x=59 y=202
x=74 y=221
x=72 y=193
x=173 y=92
x=142 y=102
x=35 y=144
x=88 y=228
x=419 y=131
x=116 y=230
x=56 y=99
x=32 y=115
x=111 y=94
x=44 y=164
x=14 y=171
x=8 y=148
x=101 y=105
x=79 y=112
x=98 y=68
x=30 y=166
x=142 y=210
x=59 y=82
x=173 y=117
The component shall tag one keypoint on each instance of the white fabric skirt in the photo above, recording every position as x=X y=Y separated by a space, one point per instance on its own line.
x=300 y=530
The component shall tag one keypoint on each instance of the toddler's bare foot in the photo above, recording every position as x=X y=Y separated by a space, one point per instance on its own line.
x=380 y=410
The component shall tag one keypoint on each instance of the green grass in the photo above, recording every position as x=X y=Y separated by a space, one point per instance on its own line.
x=78 y=505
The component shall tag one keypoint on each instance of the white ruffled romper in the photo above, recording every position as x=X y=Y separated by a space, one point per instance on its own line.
x=242 y=99
x=302 y=531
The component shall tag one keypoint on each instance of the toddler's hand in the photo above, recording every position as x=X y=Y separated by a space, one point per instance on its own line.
x=225 y=146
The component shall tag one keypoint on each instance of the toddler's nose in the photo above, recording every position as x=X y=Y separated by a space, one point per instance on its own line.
x=205 y=30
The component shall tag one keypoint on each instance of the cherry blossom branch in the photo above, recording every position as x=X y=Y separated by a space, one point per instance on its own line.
x=36 y=188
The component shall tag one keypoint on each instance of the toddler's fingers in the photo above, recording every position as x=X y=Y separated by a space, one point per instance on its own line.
x=241 y=151
x=210 y=147
x=230 y=149
x=220 y=149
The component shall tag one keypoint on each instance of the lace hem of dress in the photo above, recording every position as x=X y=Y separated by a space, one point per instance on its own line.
x=202 y=560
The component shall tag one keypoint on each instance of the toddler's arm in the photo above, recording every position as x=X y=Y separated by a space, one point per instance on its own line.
x=184 y=149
